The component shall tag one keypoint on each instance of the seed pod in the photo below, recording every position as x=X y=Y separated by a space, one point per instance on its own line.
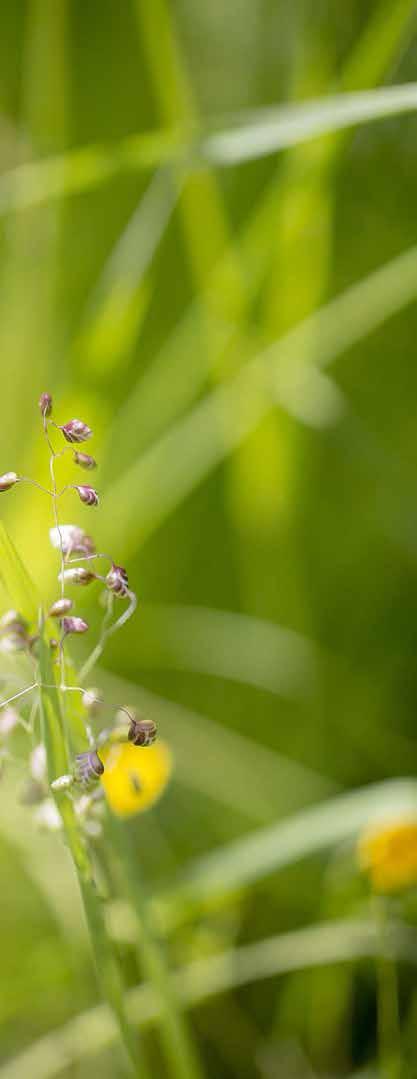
x=77 y=575
x=60 y=607
x=76 y=431
x=8 y=480
x=142 y=732
x=92 y=700
x=73 y=539
x=87 y=495
x=117 y=580
x=88 y=767
x=84 y=460
x=74 y=625
x=62 y=783
x=45 y=404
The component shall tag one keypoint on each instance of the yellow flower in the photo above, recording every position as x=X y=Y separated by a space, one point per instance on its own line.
x=134 y=778
x=388 y=854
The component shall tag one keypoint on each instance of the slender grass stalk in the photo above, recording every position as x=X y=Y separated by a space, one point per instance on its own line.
x=179 y=1049
x=108 y=967
x=389 y=1031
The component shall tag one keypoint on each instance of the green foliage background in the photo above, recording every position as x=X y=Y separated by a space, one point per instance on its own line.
x=268 y=521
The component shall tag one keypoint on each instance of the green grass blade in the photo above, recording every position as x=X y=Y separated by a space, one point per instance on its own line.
x=15 y=581
x=108 y=967
x=220 y=422
x=241 y=863
x=265 y=132
x=93 y=1032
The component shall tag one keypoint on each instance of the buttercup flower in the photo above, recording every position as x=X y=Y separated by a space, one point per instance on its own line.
x=76 y=431
x=134 y=779
x=388 y=854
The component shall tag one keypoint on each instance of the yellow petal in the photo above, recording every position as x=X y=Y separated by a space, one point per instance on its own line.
x=135 y=777
x=389 y=855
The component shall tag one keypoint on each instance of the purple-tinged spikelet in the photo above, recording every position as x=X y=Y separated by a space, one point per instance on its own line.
x=60 y=607
x=45 y=404
x=74 y=625
x=77 y=575
x=8 y=480
x=117 y=580
x=76 y=431
x=142 y=732
x=88 y=767
x=87 y=494
x=74 y=540
x=84 y=460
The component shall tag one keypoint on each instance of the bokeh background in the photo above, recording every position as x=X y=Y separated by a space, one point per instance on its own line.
x=260 y=485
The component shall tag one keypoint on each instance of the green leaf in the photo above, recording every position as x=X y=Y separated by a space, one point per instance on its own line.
x=15 y=581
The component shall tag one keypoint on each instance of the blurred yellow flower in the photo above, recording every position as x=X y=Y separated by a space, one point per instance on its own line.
x=388 y=854
x=134 y=778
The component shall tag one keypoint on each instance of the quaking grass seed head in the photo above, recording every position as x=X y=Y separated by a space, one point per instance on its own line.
x=142 y=732
x=88 y=767
x=76 y=431
x=8 y=480
x=117 y=580
x=84 y=460
x=73 y=540
x=77 y=575
x=74 y=625
x=45 y=404
x=87 y=494
x=60 y=608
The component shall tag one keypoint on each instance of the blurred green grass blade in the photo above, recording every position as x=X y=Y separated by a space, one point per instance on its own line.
x=92 y=1032
x=201 y=204
x=228 y=645
x=221 y=763
x=119 y=300
x=271 y=129
x=386 y=32
x=172 y=467
x=262 y=132
x=171 y=382
x=15 y=580
x=341 y=819
x=179 y=1047
x=76 y=171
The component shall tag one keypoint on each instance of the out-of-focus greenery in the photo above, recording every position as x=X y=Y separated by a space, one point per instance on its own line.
x=230 y=303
